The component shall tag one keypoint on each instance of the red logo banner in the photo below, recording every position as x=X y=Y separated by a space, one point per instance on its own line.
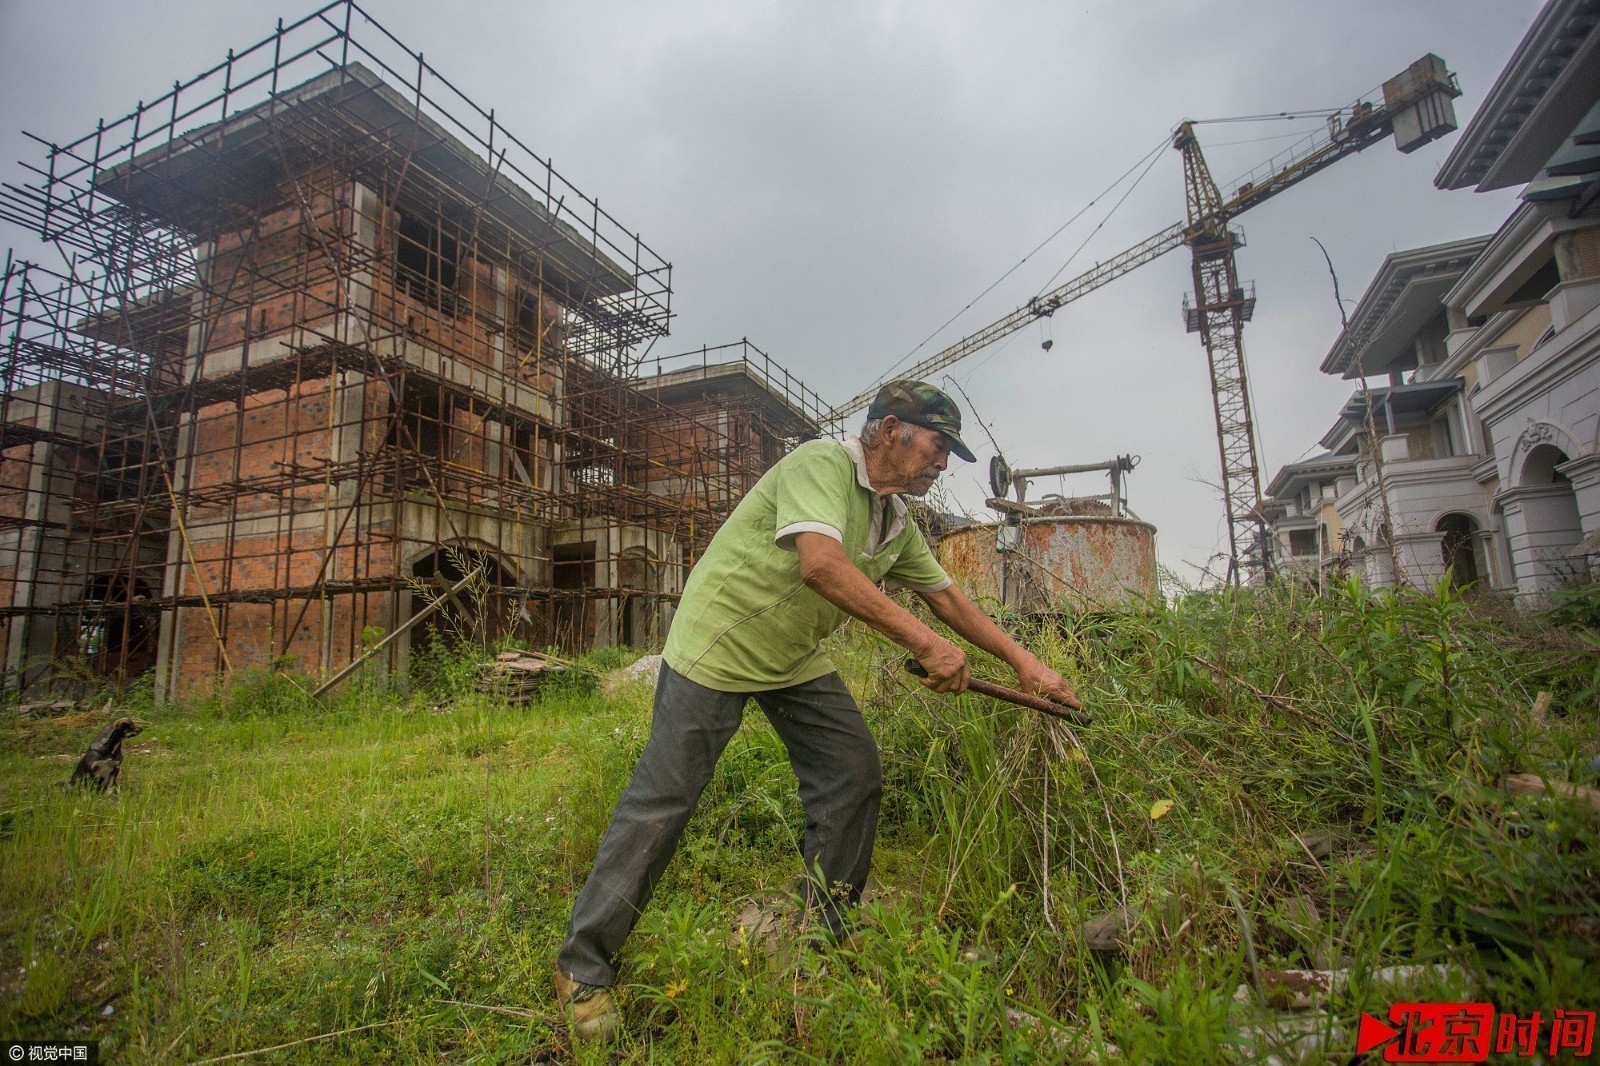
x=1468 y=1032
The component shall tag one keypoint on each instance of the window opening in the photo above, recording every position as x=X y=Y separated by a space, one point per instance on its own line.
x=427 y=260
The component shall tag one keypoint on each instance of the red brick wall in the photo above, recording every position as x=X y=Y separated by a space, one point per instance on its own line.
x=277 y=274
x=16 y=465
x=272 y=560
x=257 y=634
x=253 y=440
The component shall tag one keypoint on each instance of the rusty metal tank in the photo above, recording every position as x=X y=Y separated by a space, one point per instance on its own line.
x=1081 y=562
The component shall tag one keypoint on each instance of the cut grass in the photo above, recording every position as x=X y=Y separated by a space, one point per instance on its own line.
x=397 y=870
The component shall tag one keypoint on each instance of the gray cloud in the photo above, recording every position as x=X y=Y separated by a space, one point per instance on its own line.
x=834 y=180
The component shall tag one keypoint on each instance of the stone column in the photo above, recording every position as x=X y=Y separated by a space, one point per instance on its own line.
x=1377 y=569
x=1492 y=576
x=1421 y=557
x=25 y=650
x=1541 y=529
x=1569 y=261
x=1584 y=473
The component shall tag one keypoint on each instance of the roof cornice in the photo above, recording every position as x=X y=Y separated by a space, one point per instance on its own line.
x=1399 y=280
x=1547 y=86
x=1291 y=474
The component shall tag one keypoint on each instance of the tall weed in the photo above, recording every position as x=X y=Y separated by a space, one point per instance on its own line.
x=1272 y=778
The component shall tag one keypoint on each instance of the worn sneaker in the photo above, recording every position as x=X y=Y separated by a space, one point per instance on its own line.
x=590 y=1009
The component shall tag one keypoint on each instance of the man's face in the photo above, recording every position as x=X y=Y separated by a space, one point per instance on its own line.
x=917 y=463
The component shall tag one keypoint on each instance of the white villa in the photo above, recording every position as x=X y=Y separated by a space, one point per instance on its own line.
x=1480 y=455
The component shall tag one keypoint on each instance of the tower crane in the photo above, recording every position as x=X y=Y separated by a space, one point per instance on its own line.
x=1415 y=106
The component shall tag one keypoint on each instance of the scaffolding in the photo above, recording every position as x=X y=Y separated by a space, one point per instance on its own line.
x=322 y=337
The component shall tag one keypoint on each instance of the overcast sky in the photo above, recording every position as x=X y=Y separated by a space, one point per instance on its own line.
x=836 y=180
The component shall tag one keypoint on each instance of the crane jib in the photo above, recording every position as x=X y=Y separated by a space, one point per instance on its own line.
x=1040 y=306
x=1349 y=131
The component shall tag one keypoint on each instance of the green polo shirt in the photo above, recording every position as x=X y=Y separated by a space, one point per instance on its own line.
x=747 y=622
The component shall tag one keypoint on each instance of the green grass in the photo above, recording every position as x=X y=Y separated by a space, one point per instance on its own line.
x=398 y=869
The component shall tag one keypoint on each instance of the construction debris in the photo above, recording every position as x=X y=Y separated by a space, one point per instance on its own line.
x=766 y=920
x=1075 y=506
x=1285 y=1018
x=1317 y=845
x=1303 y=989
x=518 y=676
x=644 y=669
x=1285 y=1038
x=76 y=710
x=1302 y=912
x=1276 y=1028
x=1534 y=785
x=47 y=708
x=1047 y=1035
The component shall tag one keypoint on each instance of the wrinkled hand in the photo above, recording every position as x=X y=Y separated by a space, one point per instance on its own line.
x=1037 y=679
x=946 y=665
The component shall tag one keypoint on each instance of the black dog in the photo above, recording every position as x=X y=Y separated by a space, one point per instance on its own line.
x=102 y=763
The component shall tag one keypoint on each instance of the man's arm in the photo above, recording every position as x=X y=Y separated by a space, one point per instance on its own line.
x=964 y=616
x=827 y=571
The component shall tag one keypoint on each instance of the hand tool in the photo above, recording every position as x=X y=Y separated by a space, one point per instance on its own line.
x=1011 y=695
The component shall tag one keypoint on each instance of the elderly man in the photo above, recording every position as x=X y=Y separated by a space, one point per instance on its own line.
x=806 y=548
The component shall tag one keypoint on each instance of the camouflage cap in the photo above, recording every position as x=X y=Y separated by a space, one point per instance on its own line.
x=921 y=404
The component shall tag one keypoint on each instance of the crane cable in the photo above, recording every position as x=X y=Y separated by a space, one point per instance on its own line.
x=1316 y=112
x=1152 y=158
x=1143 y=161
x=1124 y=199
x=1274 y=116
x=1258 y=140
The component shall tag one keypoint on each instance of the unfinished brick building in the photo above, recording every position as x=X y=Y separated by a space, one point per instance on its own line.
x=323 y=339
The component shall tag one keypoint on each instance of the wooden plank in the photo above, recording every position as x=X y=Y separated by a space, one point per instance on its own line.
x=405 y=627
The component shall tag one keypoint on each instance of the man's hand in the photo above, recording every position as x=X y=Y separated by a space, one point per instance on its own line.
x=946 y=665
x=1037 y=679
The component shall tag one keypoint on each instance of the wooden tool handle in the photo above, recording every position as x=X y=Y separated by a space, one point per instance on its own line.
x=1011 y=695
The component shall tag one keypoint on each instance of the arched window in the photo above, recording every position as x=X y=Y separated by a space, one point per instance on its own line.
x=637 y=570
x=1458 y=546
x=1553 y=525
x=1539 y=468
x=477 y=614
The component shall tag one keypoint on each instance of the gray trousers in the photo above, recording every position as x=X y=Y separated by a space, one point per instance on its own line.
x=841 y=781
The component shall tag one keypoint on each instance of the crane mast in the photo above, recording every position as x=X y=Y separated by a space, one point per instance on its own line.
x=1415 y=107
x=1221 y=308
